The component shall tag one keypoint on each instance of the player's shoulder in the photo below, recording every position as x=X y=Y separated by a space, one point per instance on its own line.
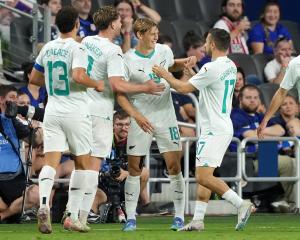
x=130 y=54
x=295 y=61
x=162 y=47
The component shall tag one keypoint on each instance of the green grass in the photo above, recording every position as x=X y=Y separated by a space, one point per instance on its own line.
x=260 y=226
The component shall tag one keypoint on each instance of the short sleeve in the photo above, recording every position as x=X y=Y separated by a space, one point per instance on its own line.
x=270 y=72
x=115 y=63
x=38 y=65
x=256 y=34
x=203 y=78
x=126 y=71
x=291 y=76
x=169 y=55
x=80 y=57
x=221 y=25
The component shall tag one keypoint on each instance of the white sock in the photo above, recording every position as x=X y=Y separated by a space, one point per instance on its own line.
x=178 y=192
x=200 y=209
x=76 y=192
x=91 y=184
x=232 y=197
x=132 y=192
x=46 y=180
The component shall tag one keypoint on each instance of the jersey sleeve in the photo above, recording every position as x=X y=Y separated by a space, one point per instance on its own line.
x=270 y=72
x=221 y=25
x=115 y=64
x=38 y=65
x=203 y=78
x=80 y=57
x=291 y=76
x=126 y=71
x=170 y=56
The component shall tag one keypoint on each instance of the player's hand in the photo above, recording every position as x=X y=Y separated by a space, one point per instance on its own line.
x=191 y=62
x=261 y=128
x=160 y=71
x=244 y=25
x=155 y=88
x=143 y=122
x=100 y=86
x=123 y=175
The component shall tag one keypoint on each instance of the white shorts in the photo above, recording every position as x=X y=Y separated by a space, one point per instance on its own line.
x=102 y=136
x=211 y=149
x=167 y=137
x=66 y=133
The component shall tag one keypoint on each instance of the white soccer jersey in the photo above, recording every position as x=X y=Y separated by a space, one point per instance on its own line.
x=138 y=69
x=215 y=82
x=292 y=75
x=56 y=60
x=105 y=61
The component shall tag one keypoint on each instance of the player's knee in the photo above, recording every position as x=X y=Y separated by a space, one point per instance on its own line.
x=202 y=180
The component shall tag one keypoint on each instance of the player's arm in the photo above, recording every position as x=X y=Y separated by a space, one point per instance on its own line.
x=118 y=84
x=179 y=86
x=143 y=122
x=79 y=76
x=181 y=63
x=37 y=76
x=277 y=100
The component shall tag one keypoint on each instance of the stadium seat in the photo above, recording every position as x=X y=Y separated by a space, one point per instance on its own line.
x=268 y=90
x=102 y=3
x=190 y=10
x=20 y=45
x=260 y=61
x=293 y=28
x=210 y=10
x=182 y=27
x=204 y=27
x=168 y=9
x=166 y=28
x=244 y=61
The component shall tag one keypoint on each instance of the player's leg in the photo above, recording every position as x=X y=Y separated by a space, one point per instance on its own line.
x=177 y=186
x=54 y=144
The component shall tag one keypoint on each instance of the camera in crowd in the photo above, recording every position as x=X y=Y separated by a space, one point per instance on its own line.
x=113 y=188
x=29 y=112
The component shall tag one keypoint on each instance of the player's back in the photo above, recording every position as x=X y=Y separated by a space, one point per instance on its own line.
x=215 y=98
x=65 y=96
x=105 y=60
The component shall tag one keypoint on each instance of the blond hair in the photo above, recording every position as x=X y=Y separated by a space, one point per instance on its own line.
x=143 y=25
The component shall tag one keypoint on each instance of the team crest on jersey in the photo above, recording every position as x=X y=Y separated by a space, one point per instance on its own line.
x=154 y=77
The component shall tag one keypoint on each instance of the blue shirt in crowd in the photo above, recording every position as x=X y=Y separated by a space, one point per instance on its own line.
x=87 y=27
x=259 y=34
x=36 y=102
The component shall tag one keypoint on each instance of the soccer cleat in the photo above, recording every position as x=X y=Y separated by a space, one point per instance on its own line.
x=44 y=221
x=93 y=218
x=177 y=224
x=129 y=226
x=244 y=213
x=193 y=226
x=71 y=225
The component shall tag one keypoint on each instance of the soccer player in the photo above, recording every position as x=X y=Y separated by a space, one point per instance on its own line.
x=106 y=62
x=291 y=79
x=61 y=65
x=215 y=82
x=152 y=116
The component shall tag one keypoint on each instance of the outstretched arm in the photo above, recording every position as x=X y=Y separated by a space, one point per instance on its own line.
x=179 y=86
x=277 y=100
x=181 y=63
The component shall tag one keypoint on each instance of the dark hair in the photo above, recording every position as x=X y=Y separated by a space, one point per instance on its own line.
x=5 y=89
x=66 y=19
x=224 y=3
x=27 y=68
x=279 y=40
x=105 y=16
x=268 y=4
x=250 y=87
x=120 y=114
x=46 y=2
x=221 y=38
x=192 y=39
x=117 y=2
x=163 y=38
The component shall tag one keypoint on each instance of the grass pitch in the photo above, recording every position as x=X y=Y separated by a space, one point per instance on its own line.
x=260 y=226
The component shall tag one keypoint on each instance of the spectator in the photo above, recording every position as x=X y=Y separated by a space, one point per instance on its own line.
x=275 y=69
x=12 y=176
x=288 y=110
x=232 y=21
x=87 y=26
x=245 y=121
x=127 y=39
x=264 y=34
x=54 y=6
x=144 y=11
x=165 y=39
x=240 y=82
x=36 y=94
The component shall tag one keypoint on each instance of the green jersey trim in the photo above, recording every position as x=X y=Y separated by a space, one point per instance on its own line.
x=144 y=56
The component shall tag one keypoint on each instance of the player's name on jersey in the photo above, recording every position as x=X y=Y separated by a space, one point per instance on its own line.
x=57 y=52
x=93 y=48
x=231 y=70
